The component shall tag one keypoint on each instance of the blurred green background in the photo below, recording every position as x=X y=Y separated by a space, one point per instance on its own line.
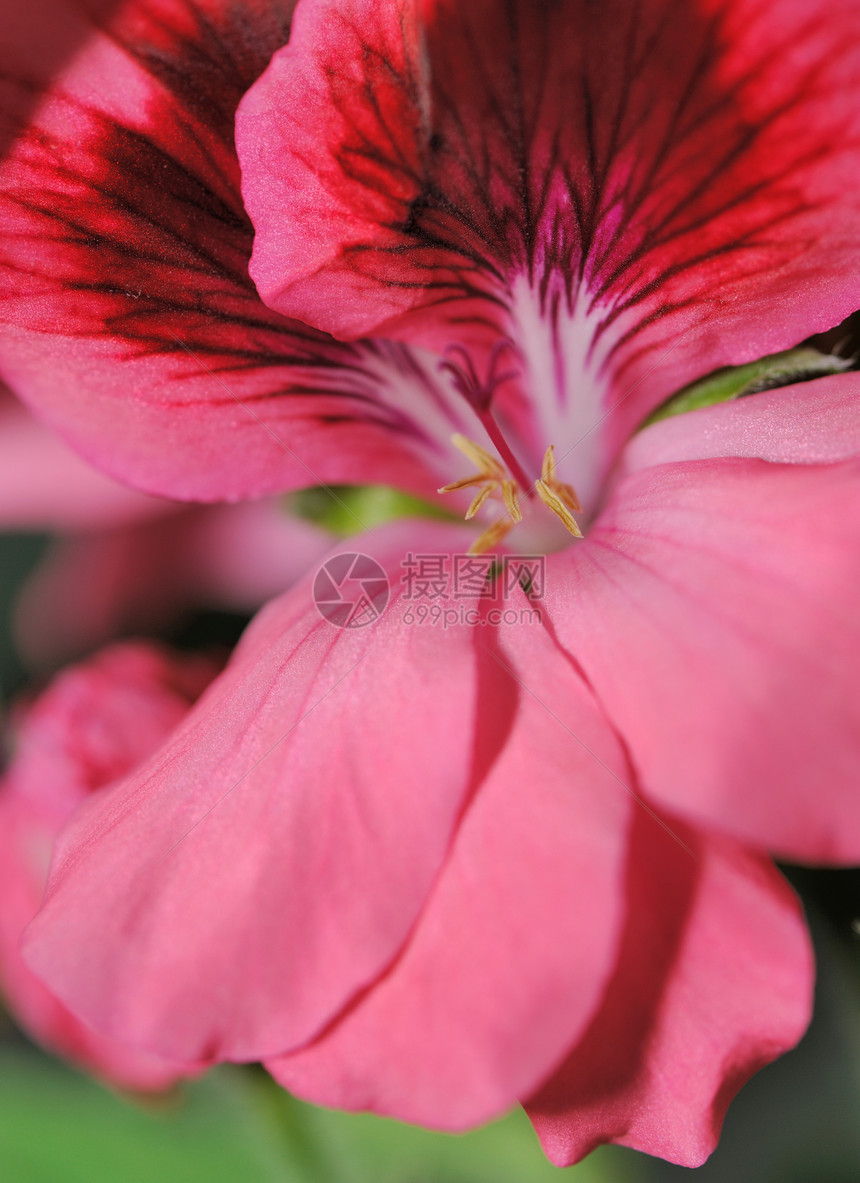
x=798 y=1121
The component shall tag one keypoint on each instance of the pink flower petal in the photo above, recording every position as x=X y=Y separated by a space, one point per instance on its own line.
x=713 y=609
x=92 y=724
x=129 y=320
x=44 y=485
x=142 y=577
x=627 y=191
x=810 y=423
x=714 y=981
x=513 y=949
x=271 y=859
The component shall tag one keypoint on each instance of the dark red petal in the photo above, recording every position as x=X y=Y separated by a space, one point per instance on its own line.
x=635 y=193
x=131 y=322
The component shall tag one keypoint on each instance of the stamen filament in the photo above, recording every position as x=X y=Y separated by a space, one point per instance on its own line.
x=468 y=482
x=491 y=479
x=479 y=456
x=509 y=495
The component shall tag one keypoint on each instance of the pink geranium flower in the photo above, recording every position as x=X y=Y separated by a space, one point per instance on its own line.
x=431 y=871
x=90 y=727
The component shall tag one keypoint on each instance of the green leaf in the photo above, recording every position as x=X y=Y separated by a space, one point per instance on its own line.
x=236 y=1126
x=362 y=1148
x=57 y=1126
x=344 y=510
x=779 y=369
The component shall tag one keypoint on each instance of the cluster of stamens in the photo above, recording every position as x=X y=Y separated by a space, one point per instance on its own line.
x=492 y=480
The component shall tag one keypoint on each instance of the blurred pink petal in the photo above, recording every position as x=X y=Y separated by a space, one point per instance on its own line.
x=93 y=724
x=144 y=576
x=44 y=485
x=129 y=562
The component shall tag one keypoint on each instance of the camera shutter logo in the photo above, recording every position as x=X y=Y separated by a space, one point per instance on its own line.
x=351 y=590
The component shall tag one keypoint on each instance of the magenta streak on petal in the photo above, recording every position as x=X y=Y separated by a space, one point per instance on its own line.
x=130 y=316
x=668 y=185
x=157 y=290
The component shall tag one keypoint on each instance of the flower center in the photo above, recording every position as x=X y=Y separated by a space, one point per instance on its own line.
x=493 y=480
x=504 y=478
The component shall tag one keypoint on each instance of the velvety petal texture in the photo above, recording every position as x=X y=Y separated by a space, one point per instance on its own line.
x=625 y=191
x=812 y=423
x=512 y=819
x=93 y=724
x=269 y=861
x=712 y=608
x=713 y=980
x=513 y=949
x=129 y=320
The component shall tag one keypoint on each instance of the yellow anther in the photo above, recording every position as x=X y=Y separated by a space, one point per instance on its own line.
x=483 y=493
x=482 y=459
x=509 y=496
x=552 y=500
x=556 y=495
x=492 y=536
x=492 y=480
x=547 y=471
